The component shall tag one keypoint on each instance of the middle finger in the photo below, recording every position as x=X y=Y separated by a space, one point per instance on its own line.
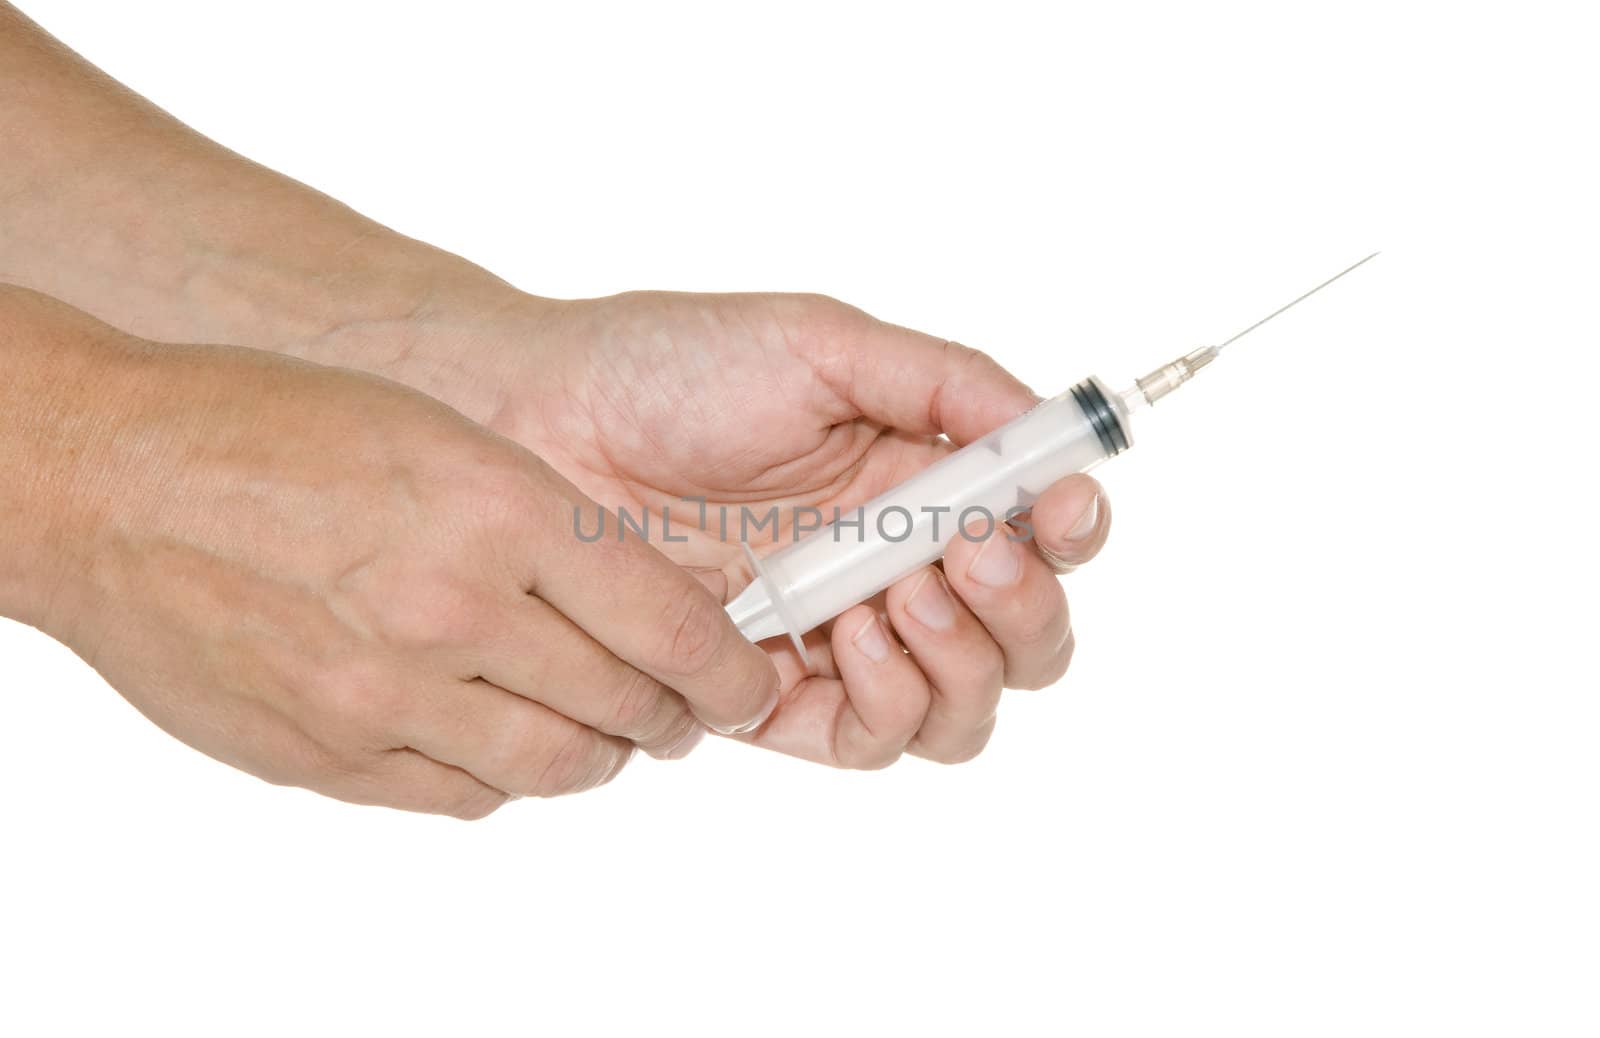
x=963 y=665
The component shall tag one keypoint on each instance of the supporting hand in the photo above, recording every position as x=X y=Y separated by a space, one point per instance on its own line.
x=751 y=401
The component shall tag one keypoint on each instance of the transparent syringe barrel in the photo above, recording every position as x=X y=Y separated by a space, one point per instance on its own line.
x=909 y=526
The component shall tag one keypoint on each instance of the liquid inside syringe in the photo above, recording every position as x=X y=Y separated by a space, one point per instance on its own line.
x=992 y=480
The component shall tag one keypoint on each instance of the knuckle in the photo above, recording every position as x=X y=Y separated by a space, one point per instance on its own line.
x=694 y=635
x=975 y=679
x=384 y=778
x=576 y=764
x=435 y=614
x=306 y=763
x=813 y=307
x=865 y=752
x=334 y=763
x=961 y=356
x=1032 y=681
x=873 y=758
x=950 y=754
x=474 y=804
x=1052 y=670
x=821 y=307
x=1031 y=632
x=1040 y=619
x=960 y=353
x=959 y=752
x=356 y=695
x=639 y=708
x=503 y=496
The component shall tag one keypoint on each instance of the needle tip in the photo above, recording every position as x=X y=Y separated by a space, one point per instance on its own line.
x=1292 y=302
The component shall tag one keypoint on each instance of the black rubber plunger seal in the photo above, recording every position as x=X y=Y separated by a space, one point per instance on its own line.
x=1101 y=417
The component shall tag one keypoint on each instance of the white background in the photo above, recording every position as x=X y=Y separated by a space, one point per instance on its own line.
x=1326 y=763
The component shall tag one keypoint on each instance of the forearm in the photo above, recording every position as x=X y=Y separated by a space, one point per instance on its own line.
x=110 y=204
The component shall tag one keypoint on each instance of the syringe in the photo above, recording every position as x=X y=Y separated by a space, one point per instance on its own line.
x=989 y=481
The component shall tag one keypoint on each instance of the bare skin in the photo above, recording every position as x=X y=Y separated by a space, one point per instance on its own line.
x=330 y=580
x=635 y=401
x=658 y=404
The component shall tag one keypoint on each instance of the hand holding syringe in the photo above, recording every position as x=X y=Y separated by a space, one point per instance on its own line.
x=993 y=479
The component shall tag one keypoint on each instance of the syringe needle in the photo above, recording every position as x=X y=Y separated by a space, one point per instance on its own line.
x=1292 y=302
x=1170 y=376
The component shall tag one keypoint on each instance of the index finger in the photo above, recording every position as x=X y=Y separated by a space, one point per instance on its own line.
x=916 y=382
x=651 y=613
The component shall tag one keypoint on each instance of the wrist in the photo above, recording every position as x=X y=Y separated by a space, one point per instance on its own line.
x=62 y=393
x=236 y=254
x=419 y=316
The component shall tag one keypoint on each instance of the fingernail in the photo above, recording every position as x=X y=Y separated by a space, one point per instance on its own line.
x=871 y=640
x=1087 y=521
x=997 y=564
x=686 y=742
x=930 y=604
